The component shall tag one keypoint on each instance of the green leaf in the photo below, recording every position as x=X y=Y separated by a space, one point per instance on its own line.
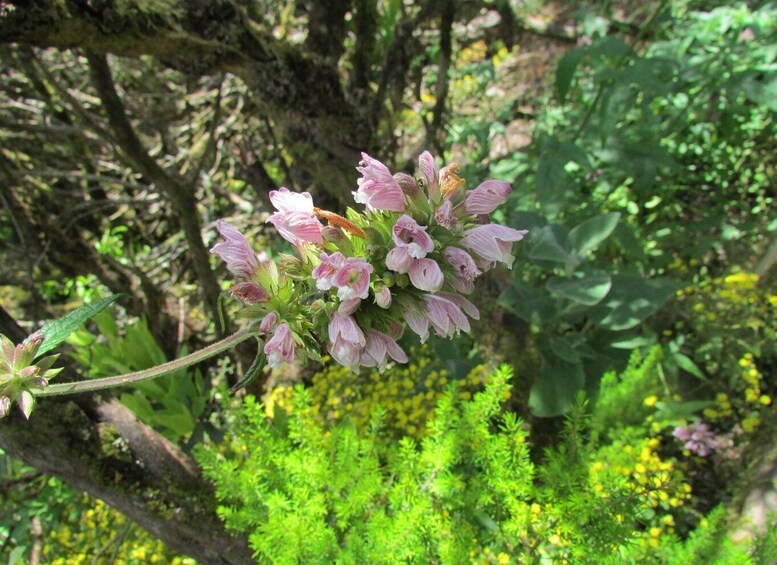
x=686 y=364
x=565 y=71
x=591 y=233
x=584 y=288
x=253 y=371
x=556 y=386
x=531 y=304
x=631 y=300
x=547 y=247
x=56 y=331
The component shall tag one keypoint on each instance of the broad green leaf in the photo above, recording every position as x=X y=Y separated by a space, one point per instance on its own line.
x=565 y=71
x=584 y=288
x=762 y=90
x=547 y=247
x=558 y=347
x=556 y=387
x=56 y=331
x=631 y=300
x=533 y=305
x=591 y=233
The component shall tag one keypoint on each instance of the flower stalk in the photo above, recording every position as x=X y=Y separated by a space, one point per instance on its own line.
x=147 y=374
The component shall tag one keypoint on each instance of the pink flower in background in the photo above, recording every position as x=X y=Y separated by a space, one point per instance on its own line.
x=698 y=438
x=346 y=340
x=378 y=189
x=325 y=272
x=353 y=279
x=487 y=197
x=249 y=292
x=408 y=234
x=295 y=219
x=280 y=348
x=493 y=242
x=378 y=346
x=445 y=216
x=235 y=251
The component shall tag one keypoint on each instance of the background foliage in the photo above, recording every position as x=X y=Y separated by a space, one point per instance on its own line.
x=640 y=142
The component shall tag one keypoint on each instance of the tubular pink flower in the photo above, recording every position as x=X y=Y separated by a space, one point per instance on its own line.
x=235 y=251
x=377 y=347
x=346 y=340
x=462 y=303
x=269 y=322
x=486 y=197
x=445 y=216
x=445 y=316
x=295 y=220
x=348 y=307
x=431 y=176
x=407 y=233
x=399 y=260
x=492 y=242
x=418 y=322
x=353 y=279
x=464 y=267
x=249 y=292
x=378 y=189
x=325 y=272
x=280 y=348
x=425 y=274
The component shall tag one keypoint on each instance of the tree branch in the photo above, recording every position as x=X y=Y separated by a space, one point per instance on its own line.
x=177 y=191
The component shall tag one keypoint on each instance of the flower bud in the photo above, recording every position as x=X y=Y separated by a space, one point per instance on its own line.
x=383 y=297
x=5 y=406
x=269 y=322
x=26 y=403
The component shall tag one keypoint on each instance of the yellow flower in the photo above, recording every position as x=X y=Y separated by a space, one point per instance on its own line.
x=650 y=401
x=765 y=399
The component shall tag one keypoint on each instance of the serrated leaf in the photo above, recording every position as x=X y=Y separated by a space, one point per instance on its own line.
x=56 y=331
x=584 y=288
x=591 y=233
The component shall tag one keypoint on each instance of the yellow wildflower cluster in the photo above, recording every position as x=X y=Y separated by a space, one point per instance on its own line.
x=84 y=539
x=408 y=393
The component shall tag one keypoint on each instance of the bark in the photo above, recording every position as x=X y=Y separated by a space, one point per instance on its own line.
x=180 y=194
x=301 y=91
x=95 y=444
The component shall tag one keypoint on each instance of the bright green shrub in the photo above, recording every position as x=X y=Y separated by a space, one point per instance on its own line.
x=469 y=491
x=408 y=393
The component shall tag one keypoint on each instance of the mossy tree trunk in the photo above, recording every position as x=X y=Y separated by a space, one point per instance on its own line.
x=95 y=444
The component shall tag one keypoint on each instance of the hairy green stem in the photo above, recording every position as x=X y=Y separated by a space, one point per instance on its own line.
x=146 y=374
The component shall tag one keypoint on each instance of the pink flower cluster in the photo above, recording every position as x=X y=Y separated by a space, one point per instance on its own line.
x=408 y=260
x=697 y=438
